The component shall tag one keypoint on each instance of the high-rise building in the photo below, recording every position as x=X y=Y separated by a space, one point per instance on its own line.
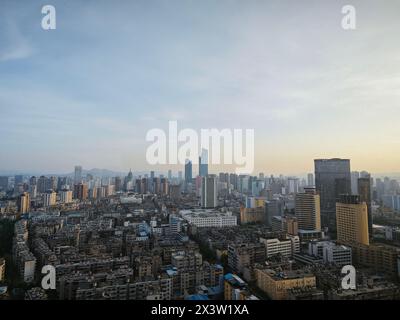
x=18 y=179
x=273 y=208
x=307 y=209
x=49 y=198
x=24 y=203
x=364 y=191
x=66 y=196
x=310 y=180
x=170 y=175
x=188 y=171
x=78 y=174
x=81 y=191
x=355 y=175
x=42 y=184
x=352 y=220
x=203 y=163
x=3 y=183
x=209 y=191
x=332 y=178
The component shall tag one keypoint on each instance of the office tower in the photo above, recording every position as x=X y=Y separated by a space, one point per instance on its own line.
x=78 y=174
x=332 y=178
x=203 y=163
x=32 y=181
x=18 y=179
x=4 y=183
x=118 y=184
x=49 y=198
x=81 y=191
x=164 y=186
x=257 y=187
x=24 y=203
x=307 y=209
x=352 y=220
x=310 y=180
x=273 y=208
x=32 y=191
x=293 y=185
x=41 y=184
x=209 y=191
x=180 y=174
x=188 y=171
x=169 y=174
x=355 y=175
x=364 y=191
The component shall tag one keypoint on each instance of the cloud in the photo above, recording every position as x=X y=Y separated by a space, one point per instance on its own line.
x=16 y=46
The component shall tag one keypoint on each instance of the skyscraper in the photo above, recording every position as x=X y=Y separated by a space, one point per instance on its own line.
x=24 y=203
x=307 y=209
x=352 y=220
x=203 y=163
x=81 y=191
x=364 y=191
x=354 y=181
x=209 y=191
x=310 y=180
x=188 y=171
x=78 y=174
x=3 y=183
x=332 y=178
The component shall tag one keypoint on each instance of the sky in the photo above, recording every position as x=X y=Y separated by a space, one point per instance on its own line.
x=88 y=92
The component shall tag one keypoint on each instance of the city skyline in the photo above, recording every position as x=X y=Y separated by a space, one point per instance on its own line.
x=87 y=92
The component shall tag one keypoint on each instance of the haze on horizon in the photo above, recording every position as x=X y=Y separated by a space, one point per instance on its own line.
x=87 y=92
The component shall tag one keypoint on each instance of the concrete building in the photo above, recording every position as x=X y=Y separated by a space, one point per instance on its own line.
x=276 y=284
x=307 y=209
x=284 y=247
x=209 y=218
x=352 y=220
x=209 y=198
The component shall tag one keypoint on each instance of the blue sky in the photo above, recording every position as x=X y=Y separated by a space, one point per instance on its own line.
x=87 y=92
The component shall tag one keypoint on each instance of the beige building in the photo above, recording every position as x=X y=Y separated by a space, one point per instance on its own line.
x=277 y=284
x=308 y=210
x=24 y=203
x=352 y=220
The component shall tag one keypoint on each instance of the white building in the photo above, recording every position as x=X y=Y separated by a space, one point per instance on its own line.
x=331 y=252
x=209 y=218
x=285 y=247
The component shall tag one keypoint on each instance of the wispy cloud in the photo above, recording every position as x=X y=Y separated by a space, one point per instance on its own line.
x=15 y=46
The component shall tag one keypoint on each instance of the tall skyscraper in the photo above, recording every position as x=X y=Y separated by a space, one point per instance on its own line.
x=364 y=191
x=3 y=183
x=354 y=182
x=81 y=191
x=24 y=203
x=352 y=220
x=332 y=178
x=307 y=209
x=203 y=163
x=209 y=191
x=169 y=174
x=310 y=180
x=78 y=174
x=188 y=171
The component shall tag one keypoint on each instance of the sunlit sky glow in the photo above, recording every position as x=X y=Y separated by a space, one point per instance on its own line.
x=87 y=92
